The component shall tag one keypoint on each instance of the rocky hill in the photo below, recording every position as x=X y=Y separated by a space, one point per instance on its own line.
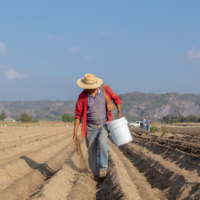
x=135 y=105
x=158 y=105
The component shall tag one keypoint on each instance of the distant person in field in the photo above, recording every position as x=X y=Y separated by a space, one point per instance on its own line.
x=141 y=124
x=92 y=108
x=144 y=123
x=148 y=124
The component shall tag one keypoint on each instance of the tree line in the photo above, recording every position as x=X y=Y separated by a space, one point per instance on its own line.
x=27 y=118
x=2 y=116
x=180 y=119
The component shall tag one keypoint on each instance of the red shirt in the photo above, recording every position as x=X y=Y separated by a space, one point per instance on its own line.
x=81 y=107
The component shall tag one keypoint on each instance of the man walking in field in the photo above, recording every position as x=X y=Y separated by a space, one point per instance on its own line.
x=148 y=124
x=92 y=107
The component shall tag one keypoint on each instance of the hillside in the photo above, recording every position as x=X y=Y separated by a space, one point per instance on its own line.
x=135 y=105
x=50 y=110
x=139 y=105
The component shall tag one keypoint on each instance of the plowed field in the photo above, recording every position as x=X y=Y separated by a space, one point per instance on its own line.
x=34 y=164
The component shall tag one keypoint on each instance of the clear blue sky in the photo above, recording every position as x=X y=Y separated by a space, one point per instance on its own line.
x=146 y=46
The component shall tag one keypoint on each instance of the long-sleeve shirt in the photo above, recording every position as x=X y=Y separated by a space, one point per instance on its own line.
x=82 y=104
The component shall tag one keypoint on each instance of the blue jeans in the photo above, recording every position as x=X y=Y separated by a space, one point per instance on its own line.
x=97 y=143
x=148 y=128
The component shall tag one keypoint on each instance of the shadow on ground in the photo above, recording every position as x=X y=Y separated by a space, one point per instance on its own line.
x=43 y=168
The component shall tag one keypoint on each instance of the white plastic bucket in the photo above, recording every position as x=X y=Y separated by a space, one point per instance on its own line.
x=119 y=131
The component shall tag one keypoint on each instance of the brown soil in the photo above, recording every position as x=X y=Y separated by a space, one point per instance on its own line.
x=43 y=163
x=80 y=152
x=171 y=164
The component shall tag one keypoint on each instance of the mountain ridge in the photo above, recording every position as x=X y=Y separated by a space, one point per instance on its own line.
x=135 y=105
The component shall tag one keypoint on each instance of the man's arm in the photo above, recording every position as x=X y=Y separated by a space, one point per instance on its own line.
x=76 y=124
x=79 y=113
x=116 y=99
x=119 y=110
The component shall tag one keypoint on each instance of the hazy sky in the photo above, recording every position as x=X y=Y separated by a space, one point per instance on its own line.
x=146 y=46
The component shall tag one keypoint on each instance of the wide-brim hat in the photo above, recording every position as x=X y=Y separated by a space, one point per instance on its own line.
x=90 y=81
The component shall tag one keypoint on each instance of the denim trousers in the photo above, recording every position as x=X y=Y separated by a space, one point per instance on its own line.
x=97 y=143
x=148 y=128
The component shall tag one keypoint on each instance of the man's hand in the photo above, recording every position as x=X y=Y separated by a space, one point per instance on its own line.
x=119 y=115
x=77 y=122
x=75 y=137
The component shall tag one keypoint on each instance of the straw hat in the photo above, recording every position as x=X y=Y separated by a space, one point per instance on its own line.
x=89 y=82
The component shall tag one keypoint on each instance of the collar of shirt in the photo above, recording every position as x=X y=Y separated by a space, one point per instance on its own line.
x=98 y=92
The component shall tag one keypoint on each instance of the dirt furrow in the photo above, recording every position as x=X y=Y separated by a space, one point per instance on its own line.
x=182 y=159
x=23 y=187
x=181 y=145
x=58 y=187
x=17 y=142
x=64 y=184
x=185 y=131
x=175 y=134
x=18 y=168
x=151 y=167
x=8 y=134
x=117 y=185
x=145 y=190
x=12 y=153
x=175 y=183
